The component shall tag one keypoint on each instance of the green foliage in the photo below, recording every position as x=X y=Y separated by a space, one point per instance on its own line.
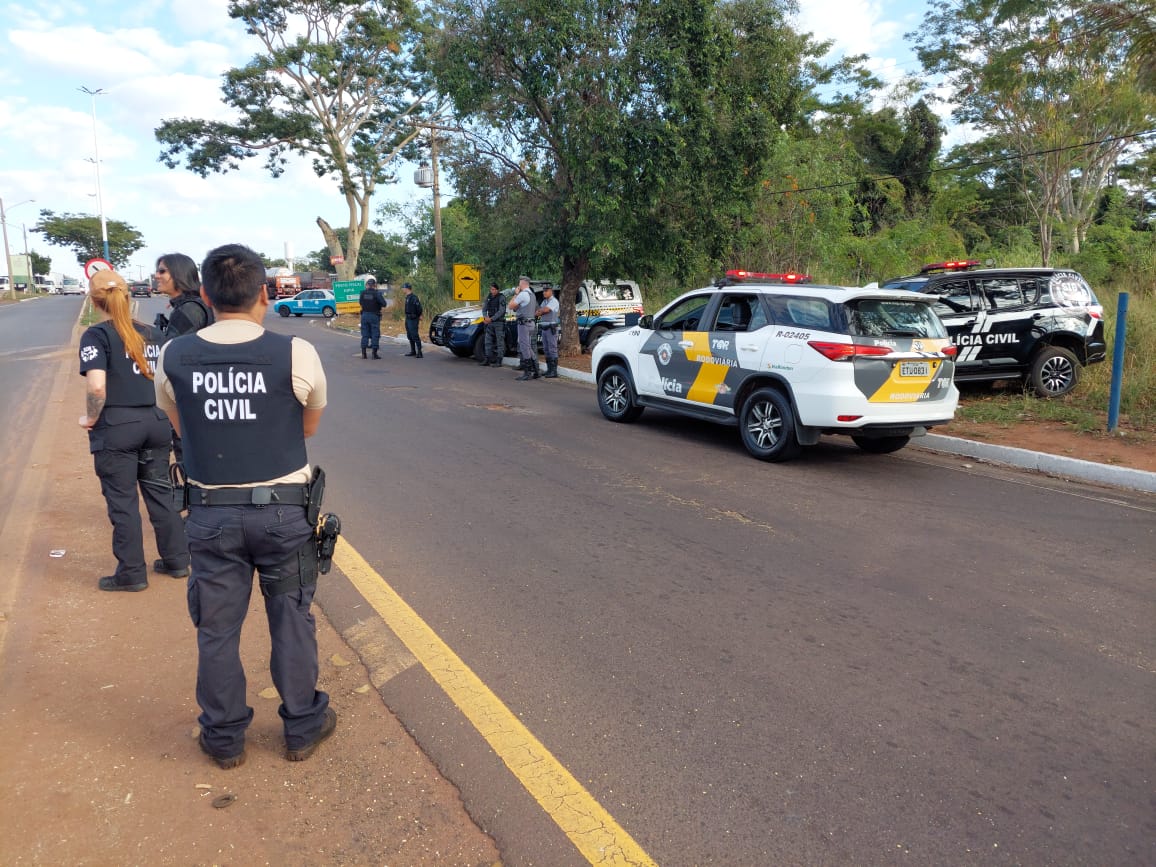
x=41 y=264
x=607 y=135
x=82 y=233
x=1047 y=82
x=333 y=83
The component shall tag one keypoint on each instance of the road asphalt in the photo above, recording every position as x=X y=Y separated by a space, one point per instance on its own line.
x=98 y=708
x=1052 y=465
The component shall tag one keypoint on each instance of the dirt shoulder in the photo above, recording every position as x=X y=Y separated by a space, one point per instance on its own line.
x=99 y=716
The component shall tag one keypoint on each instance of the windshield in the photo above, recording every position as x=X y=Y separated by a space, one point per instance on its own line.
x=872 y=317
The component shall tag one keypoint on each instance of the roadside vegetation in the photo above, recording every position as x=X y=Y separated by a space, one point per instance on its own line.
x=668 y=141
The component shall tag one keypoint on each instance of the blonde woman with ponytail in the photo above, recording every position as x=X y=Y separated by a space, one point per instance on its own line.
x=129 y=438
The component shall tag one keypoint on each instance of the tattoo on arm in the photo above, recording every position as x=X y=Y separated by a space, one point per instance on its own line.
x=95 y=404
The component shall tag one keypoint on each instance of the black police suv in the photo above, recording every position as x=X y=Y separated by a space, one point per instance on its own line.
x=1042 y=325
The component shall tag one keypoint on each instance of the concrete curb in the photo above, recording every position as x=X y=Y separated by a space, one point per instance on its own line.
x=1052 y=465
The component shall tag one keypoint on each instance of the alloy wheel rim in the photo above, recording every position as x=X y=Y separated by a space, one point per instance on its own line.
x=1056 y=375
x=765 y=425
x=614 y=393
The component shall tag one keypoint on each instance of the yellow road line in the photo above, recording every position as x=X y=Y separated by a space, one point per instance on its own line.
x=591 y=829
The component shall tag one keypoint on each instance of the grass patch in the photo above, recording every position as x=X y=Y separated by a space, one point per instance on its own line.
x=1007 y=409
x=89 y=315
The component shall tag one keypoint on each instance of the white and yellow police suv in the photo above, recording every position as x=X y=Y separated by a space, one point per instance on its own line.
x=787 y=361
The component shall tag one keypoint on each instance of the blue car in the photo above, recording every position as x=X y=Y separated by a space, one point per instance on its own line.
x=311 y=301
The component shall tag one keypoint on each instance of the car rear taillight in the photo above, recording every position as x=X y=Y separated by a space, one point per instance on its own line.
x=951 y=350
x=847 y=351
x=846 y=418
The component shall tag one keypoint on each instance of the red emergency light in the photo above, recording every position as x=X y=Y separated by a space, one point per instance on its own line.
x=736 y=274
x=960 y=265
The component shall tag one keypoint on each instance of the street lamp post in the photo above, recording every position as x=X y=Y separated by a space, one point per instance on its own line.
x=7 y=252
x=96 y=149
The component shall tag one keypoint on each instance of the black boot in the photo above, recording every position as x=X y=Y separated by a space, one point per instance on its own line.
x=363 y=355
x=412 y=352
x=551 y=368
x=419 y=349
x=525 y=371
x=375 y=355
x=534 y=372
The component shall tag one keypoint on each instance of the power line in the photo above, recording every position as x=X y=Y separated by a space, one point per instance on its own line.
x=973 y=164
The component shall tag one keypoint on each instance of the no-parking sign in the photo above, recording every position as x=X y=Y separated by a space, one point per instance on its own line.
x=94 y=265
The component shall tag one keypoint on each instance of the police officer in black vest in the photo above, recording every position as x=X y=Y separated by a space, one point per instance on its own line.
x=129 y=437
x=245 y=399
x=372 y=303
x=413 y=311
x=494 y=329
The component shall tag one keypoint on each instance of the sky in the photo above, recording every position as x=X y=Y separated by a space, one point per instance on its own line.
x=160 y=59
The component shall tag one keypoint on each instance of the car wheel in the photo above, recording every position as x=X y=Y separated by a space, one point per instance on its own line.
x=767 y=426
x=592 y=338
x=328 y=312
x=480 y=347
x=283 y=311
x=616 y=395
x=881 y=445
x=1055 y=371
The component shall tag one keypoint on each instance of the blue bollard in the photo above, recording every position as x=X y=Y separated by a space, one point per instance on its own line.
x=1118 y=362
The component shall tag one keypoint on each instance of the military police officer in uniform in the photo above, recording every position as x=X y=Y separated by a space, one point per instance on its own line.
x=129 y=437
x=524 y=309
x=245 y=399
x=494 y=317
x=372 y=303
x=548 y=323
x=413 y=313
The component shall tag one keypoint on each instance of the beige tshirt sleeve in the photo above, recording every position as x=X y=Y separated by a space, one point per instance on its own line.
x=166 y=401
x=308 y=376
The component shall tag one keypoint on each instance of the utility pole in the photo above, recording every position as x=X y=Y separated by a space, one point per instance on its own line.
x=96 y=149
x=7 y=252
x=428 y=177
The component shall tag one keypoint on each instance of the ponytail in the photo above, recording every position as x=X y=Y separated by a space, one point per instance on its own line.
x=112 y=297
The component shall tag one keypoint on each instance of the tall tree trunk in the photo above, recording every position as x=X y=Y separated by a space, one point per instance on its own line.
x=574 y=270
x=334 y=244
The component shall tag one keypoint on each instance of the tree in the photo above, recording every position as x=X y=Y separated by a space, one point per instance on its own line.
x=609 y=133
x=82 y=233
x=41 y=264
x=334 y=83
x=1047 y=83
x=386 y=258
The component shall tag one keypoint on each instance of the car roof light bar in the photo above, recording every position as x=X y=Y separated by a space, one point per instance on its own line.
x=764 y=277
x=959 y=265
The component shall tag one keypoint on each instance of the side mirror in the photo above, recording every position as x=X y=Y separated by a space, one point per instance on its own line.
x=646 y=322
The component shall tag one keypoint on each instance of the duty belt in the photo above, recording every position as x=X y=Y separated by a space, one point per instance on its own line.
x=261 y=495
x=526 y=321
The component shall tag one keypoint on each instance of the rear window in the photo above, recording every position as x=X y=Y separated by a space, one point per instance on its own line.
x=871 y=317
x=813 y=314
x=607 y=292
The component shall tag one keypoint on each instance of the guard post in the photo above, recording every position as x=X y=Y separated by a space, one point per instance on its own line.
x=1118 y=362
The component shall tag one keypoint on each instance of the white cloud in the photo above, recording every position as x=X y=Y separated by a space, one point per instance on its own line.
x=855 y=26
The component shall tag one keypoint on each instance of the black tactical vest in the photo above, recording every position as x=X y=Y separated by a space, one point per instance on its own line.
x=370 y=301
x=240 y=420
x=126 y=385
